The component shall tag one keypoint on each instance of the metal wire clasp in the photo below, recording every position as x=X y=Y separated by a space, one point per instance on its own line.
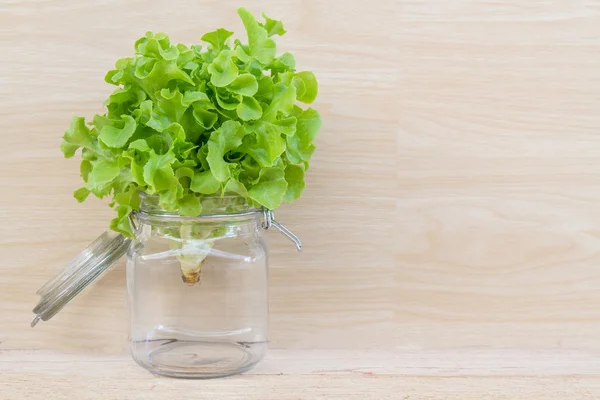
x=269 y=221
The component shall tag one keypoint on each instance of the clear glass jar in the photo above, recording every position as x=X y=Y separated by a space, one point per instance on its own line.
x=197 y=289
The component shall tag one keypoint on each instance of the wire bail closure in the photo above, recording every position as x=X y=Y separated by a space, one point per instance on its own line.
x=269 y=221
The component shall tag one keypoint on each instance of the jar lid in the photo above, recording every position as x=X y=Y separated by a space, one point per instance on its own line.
x=84 y=269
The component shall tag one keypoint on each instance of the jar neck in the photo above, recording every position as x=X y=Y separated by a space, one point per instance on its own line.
x=212 y=206
x=227 y=216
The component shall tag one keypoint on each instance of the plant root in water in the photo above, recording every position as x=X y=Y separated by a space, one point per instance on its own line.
x=191 y=278
x=190 y=274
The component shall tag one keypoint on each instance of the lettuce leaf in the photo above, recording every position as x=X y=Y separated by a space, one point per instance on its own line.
x=270 y=188
x=186 y=122
x=217 y=38
x=260 y=46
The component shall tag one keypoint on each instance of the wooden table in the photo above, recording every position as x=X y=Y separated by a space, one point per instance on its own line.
x=451 y=221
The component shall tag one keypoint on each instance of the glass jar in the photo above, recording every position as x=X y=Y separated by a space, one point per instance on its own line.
x=197 y=286
x=198 y=293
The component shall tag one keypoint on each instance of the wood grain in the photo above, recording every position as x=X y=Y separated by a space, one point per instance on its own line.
x=451 y=221
x=317 y=374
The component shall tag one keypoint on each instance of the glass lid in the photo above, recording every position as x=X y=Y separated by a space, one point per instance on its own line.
x=79 y=273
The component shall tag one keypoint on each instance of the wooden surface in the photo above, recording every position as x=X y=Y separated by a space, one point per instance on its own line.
x=451 y=221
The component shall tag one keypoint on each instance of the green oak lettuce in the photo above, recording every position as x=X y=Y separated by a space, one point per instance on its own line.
x=191 y=121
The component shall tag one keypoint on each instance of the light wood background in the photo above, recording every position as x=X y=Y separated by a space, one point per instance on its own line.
x=451 y=221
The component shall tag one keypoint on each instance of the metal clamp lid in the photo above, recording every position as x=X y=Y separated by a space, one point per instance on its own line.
x=269 y=221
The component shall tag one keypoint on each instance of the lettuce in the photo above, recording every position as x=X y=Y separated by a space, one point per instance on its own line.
x=187 y=122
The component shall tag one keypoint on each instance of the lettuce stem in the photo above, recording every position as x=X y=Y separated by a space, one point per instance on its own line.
x=194 y=247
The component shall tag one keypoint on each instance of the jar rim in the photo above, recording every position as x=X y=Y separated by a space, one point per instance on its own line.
x=213 y=207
